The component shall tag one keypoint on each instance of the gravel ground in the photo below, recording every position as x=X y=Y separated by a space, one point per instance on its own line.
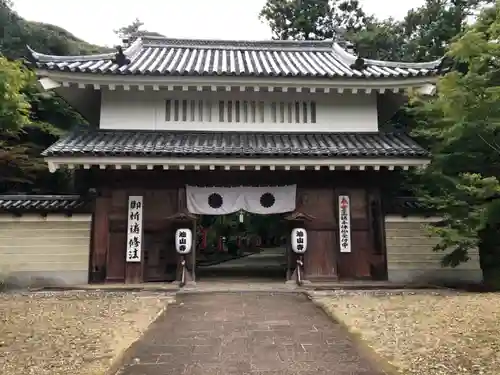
x=426 y=334
x=71 y=333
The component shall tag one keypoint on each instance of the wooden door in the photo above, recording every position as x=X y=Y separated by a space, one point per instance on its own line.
x=320 y=257
x=115 y=262
x=159 y=257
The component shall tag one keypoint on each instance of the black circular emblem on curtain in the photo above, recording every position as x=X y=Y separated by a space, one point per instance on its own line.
x=215 y=200
x=267 y=200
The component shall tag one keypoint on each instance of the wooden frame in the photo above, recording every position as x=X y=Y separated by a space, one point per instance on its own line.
x=165 y=199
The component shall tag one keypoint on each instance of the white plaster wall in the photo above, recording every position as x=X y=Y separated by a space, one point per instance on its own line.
x=146 y=110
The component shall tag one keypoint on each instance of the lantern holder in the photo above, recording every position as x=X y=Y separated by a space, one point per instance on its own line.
x=186 y=277
x=299 y=271
x=185 y=274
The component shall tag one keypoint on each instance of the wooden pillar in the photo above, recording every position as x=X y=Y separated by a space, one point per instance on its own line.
x=133 y=272
x=100 y=239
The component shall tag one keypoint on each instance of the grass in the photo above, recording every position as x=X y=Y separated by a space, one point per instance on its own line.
x=425 y=333
x=71 y=333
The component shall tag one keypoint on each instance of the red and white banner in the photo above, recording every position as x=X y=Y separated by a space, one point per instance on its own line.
x=345 y=223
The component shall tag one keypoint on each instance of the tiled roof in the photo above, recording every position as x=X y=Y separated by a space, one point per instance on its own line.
x=235 y=144
x=42 y=203
x=156 y=56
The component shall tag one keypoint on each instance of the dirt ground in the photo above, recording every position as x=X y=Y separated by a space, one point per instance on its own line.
x=426 y=334
x=71 y=333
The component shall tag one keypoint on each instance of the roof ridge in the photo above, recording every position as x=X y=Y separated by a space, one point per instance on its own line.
x=155 y=40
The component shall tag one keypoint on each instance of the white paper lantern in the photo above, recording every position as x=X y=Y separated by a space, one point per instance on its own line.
x=183 y=241
x=299 y=240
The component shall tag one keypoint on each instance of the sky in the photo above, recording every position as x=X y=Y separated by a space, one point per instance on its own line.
x=95 y=20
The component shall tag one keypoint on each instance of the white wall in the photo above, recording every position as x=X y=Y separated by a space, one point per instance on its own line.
x=147 y=110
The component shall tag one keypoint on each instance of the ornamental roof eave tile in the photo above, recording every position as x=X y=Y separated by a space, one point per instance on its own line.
x=120 y=143
x=204 y=58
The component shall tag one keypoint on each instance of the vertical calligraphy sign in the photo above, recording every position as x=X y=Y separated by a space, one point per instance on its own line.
x=134 y=231
x=345 y=223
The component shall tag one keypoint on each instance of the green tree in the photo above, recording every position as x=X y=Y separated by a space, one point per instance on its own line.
x=312 y=19
x=14 y=107
x=16 y=164
x=134 y=31
x=429 y=29
x=424 y=34
x=31 y=119
x=463 y=124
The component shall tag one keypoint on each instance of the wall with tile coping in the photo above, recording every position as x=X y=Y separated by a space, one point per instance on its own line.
x=51 y=250
x=410 y=257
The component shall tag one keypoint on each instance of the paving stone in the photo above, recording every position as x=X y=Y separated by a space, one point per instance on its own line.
x=254 y=333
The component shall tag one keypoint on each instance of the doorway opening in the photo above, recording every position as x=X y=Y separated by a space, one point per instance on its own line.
x=241 y=246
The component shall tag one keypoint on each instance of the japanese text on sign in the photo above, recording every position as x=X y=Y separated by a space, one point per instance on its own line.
x=345 y=224
x=134 y=232
x=299 y=240
x=183 y=240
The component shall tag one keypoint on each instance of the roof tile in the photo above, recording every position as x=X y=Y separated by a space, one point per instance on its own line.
x=235 y=144
x=21 y=203
x=178 y=57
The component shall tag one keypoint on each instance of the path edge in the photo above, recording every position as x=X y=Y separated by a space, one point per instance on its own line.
x=126 y=355
x=364 y=348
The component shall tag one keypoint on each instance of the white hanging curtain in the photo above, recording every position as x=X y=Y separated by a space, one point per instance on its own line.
x=227 y=200
x=269 y=200
x=213 y=200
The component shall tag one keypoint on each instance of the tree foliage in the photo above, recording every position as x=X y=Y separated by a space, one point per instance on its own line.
x=134 y=31
x=312 y=19
x=424 y=34
x=463 y=122
x=15 y=164
x=31 y=119
x=45 y=38
x=14 y=107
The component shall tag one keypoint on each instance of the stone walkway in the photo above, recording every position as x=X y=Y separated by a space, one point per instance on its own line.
x=246 y=333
